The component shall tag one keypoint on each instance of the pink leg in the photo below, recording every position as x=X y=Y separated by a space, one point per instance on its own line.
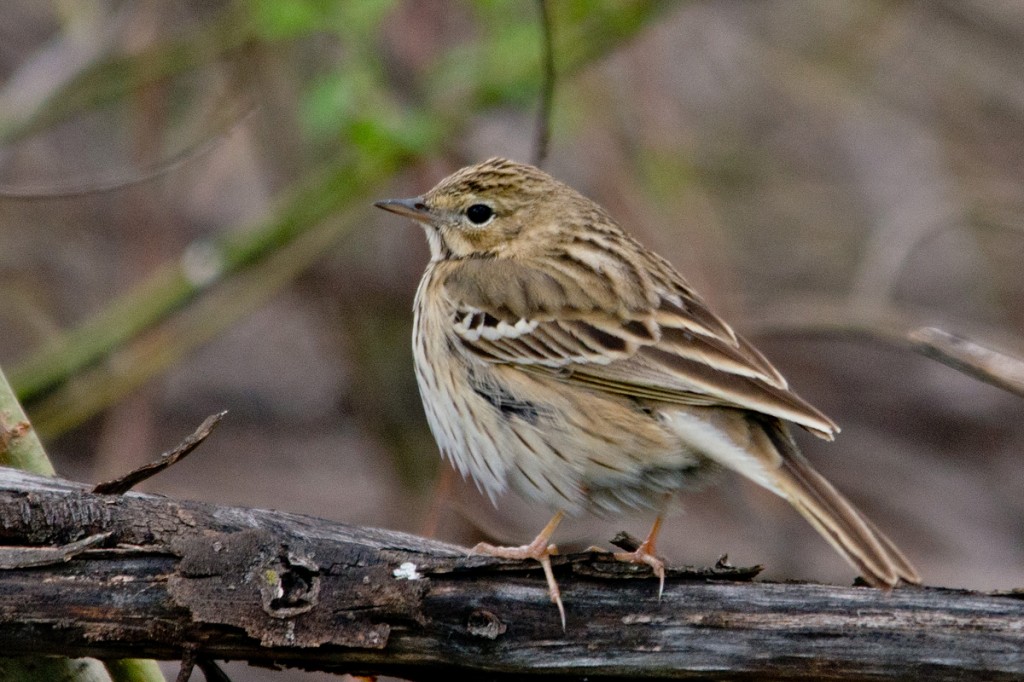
x=539 y=550
x=644 y=554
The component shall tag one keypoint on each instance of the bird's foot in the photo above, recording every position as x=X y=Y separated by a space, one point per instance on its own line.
x=644 y=554
x=540 y=551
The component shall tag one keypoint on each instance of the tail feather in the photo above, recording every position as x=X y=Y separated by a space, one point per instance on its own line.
x=851 y=533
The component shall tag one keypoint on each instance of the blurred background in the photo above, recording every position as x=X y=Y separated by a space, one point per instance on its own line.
x=186 y=227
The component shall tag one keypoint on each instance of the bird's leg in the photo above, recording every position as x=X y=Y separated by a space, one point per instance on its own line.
x=540 y=550
x=644 y=554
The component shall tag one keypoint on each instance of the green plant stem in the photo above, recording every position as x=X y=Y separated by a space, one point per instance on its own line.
x=134 y=670
x=173 y=286
x=151 y=353
x=20 y=448
x=19 y=444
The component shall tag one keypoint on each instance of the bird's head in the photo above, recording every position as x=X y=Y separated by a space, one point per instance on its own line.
x=497 y=208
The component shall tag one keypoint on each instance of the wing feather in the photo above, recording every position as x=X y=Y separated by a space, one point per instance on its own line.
x=673 y=349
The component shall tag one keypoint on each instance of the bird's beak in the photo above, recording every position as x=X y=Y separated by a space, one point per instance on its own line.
x=413 y=208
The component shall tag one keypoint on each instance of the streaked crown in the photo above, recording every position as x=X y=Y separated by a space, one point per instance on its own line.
x=498 y=207
x=496 y=178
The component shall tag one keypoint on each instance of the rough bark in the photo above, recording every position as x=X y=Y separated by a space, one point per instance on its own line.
x=113 y=576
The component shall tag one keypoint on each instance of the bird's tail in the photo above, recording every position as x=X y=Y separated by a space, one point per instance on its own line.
x=851 y=533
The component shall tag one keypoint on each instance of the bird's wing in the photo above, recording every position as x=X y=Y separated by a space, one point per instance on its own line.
x=661 y=344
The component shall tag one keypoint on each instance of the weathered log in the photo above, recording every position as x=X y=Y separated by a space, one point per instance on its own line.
x=155 y=577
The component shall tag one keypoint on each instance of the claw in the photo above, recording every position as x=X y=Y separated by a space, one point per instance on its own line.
x=644 y=554
x=538 y=550
x=553 y=591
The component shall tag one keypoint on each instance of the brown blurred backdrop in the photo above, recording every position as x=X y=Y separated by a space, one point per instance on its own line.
x=829 y=174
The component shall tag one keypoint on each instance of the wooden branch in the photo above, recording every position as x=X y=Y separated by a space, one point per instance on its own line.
x=542 y=134
x=176 y=578
x=124 y=483
x=964 y=355
x=898 y=328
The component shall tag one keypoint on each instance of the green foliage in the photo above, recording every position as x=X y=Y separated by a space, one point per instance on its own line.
x=282 y=19
x=285 y=19
x=349 y=105
x=354 y=110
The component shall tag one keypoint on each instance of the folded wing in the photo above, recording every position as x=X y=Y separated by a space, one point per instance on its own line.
x=657 y=341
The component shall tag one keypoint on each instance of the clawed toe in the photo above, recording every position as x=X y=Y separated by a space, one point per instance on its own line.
x=521 y=553
x=643 y=556
x=539 y=550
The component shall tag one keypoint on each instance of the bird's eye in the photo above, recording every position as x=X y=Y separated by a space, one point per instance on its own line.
x=479 y=214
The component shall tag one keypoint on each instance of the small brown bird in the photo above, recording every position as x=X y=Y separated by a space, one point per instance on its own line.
x=557 y=356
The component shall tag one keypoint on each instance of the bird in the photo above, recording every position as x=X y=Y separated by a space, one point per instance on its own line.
x=558 y=357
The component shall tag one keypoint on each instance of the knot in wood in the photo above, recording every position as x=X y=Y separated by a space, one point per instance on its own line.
x=485 y=624
x=289 y=584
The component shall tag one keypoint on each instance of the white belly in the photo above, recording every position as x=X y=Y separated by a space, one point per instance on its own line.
x=605 y=456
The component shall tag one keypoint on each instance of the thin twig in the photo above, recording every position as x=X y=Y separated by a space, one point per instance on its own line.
x=202 y=148
x=964 y=355
x=188 y=664
x=211 y=671
x=900 y=329
x=30 y=557
x=133 y=478
x=547 y=90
